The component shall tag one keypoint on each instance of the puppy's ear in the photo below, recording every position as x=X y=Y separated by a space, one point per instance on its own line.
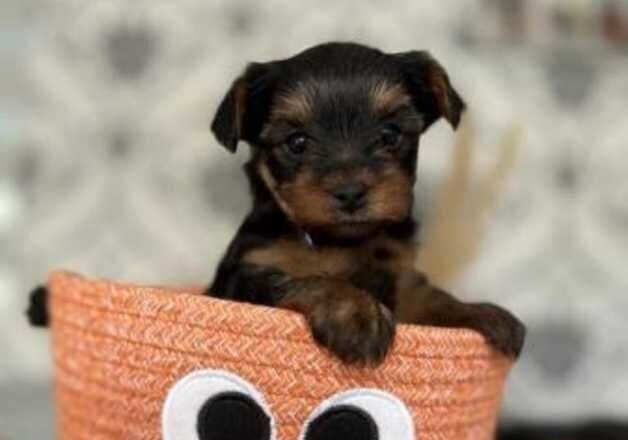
x=432 y=93
x=242 y=112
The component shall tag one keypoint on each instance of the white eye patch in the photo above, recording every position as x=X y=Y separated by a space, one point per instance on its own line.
x=216 y=405
x=364 y=414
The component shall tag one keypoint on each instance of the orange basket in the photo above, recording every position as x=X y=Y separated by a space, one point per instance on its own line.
x=133 y=362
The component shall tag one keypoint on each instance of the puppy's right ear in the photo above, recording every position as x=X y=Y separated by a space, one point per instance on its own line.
x=243 y=110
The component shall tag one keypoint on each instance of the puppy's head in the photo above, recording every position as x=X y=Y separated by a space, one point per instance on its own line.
x=335 y=131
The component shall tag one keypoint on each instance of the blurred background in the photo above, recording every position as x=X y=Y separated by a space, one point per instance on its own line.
x=107 y=166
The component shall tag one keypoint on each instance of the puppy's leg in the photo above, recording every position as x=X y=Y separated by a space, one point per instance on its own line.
x=421 y=303
x=348 y=321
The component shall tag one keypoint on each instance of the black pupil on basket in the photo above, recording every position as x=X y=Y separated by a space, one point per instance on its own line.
x=344 y=422
x=230 y=416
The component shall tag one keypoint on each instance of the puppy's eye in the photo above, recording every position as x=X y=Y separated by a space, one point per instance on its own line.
x=390 y=135
x=296 y=143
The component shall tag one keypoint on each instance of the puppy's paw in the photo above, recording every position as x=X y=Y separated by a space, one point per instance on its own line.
x=500 y=328
x=37 y=311
x=357 y=329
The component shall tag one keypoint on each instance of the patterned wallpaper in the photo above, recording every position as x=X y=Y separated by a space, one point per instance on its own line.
x=107 y=165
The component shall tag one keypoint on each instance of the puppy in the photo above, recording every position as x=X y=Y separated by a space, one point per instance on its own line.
x=334 y=134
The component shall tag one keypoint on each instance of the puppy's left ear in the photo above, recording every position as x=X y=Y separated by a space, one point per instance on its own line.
x=432 y=92
x=242 y=112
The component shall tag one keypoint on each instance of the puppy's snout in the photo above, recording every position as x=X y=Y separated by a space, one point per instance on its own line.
x=350 y=196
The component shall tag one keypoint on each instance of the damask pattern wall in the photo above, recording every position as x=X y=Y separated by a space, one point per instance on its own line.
x=107 y=165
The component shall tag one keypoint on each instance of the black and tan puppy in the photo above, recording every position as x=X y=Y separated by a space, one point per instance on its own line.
x=334 y=134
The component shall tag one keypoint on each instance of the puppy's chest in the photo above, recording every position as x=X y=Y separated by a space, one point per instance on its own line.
x=374 y=265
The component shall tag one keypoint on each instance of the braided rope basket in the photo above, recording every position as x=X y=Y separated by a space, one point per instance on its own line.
x=119 y=349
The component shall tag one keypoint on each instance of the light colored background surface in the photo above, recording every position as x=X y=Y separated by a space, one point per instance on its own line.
x=107 y=166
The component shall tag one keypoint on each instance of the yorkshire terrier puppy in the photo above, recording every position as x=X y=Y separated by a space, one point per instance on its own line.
x=334 y=134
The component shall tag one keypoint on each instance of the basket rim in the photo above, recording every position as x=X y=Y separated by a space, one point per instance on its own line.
x=466 y=340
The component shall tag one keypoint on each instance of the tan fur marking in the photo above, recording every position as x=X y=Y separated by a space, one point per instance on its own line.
x=310 y=202
x=387 y=97
x=271 y=184
x=437 y=79
x=299 y=261
x=390 y=198
x=295 y=106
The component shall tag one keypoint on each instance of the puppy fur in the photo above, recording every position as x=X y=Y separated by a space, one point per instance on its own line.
x=334 y=134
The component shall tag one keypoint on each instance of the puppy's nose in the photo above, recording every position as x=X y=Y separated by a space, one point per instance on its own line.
x=350 y=196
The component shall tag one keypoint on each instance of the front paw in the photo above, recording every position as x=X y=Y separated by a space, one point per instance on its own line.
x=359 y=330
x=500 y=328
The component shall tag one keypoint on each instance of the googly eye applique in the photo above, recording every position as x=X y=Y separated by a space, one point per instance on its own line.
x=360 y=414
x=220 y=405
x=216 y=405
x=344 y=421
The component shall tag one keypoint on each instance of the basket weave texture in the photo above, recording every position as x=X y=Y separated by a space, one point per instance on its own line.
x=118 y=348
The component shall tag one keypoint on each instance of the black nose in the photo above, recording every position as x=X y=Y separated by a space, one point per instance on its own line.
x=350 y=196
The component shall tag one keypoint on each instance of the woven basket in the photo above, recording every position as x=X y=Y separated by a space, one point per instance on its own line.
x=119 y=349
